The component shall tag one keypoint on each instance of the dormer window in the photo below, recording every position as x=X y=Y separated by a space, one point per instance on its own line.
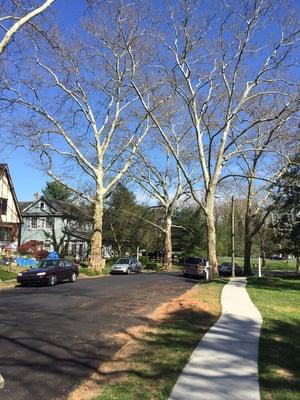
x=42 y=205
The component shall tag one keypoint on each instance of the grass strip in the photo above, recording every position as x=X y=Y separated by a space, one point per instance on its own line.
x=159 y=355
x=6 y=275
x=278 y=300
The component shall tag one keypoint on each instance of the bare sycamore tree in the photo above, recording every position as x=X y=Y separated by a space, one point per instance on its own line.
x=160 y=177
x=14 y=14
x=75 y=109
x=219 y=67
x=258 y=169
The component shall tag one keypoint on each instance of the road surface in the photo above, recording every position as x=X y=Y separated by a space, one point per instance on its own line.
x=53 y=337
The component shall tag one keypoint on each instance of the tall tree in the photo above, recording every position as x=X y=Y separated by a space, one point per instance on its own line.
x=287 y=211
x=160 y=178
x=219 y=66
x=80 y=115
x=120 y=225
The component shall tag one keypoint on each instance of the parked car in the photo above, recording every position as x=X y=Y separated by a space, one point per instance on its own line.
x=277 y=257
x=49 y=272
x=225 y=269
x=194 y=267
x=126 y=266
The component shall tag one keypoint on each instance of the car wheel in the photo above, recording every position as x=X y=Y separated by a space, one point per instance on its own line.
x=73 y=277
x=128 y=271
x=52 y=280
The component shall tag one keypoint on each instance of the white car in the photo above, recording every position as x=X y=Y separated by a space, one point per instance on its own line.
x=127 y=266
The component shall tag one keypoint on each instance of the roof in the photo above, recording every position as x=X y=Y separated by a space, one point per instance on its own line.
x=79 y=234
x=4 y=169
x=60 y=209
x=24 y=204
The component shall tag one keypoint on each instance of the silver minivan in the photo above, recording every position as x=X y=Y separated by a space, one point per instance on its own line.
x=127 y=266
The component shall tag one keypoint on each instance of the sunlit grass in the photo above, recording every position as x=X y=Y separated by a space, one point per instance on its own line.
x=278 y=300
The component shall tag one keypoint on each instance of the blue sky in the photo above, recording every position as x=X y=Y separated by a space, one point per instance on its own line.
x=28 y=179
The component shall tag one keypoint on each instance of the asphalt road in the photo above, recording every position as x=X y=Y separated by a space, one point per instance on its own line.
x=53 y=337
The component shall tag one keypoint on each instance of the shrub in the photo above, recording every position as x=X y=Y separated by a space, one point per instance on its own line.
x=152 y=265
x=40 y=254
x=144 y=260
x=30 y=247
x=33 y=248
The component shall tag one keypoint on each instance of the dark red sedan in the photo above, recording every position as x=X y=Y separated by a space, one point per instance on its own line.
x=49 y=272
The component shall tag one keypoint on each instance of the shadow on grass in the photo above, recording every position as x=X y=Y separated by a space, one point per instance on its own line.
x=158 y=358
x=279 y=361
x=276 y=283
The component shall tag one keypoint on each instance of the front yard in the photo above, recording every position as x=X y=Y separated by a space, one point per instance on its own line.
x=278 y=300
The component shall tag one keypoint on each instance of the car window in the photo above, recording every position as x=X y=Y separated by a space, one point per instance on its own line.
x=194 y=260
x=123 y=261
x=68 y=263
x=46 y=264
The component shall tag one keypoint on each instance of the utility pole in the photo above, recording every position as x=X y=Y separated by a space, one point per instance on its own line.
x=232 y=238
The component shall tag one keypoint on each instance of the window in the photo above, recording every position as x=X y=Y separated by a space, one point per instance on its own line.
x=41 y=223
x=3 y=206
x=5 y=234
x=27 y=223
x=33 y=222
x=42 y=205
x=73 y=249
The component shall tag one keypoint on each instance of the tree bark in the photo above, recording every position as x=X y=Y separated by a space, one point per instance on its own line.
x=247 y=247
x=211 y=236
x=97 y=262
x=168 y=243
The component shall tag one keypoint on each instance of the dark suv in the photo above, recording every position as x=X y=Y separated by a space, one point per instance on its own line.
x=194 y=267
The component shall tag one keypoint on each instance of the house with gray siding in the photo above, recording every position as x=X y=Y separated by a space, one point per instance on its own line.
x=60 y=226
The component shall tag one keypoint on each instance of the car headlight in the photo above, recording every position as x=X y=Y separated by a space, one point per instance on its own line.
x=41 y=273
x=20 y=274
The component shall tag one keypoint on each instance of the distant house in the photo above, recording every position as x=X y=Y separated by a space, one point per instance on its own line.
x=10 y=215
x=61 y=227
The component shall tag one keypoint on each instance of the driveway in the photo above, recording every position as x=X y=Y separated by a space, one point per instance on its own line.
x=53 y=337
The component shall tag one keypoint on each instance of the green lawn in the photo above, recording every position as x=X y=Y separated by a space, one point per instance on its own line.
x=278 y=300
x=6 y=275
x=271 y=265
x=159 y=357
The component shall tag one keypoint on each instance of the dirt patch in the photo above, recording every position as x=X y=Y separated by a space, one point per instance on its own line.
x=120 y=364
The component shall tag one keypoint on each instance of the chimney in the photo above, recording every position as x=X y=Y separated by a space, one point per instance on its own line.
x=36 y=195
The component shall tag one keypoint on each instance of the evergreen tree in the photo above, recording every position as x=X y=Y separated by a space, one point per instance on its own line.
x=57 y=191
x=287 y=209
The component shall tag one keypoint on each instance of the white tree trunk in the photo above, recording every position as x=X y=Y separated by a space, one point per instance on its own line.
x=211 y=235
x=97 y=262
x=168 y=242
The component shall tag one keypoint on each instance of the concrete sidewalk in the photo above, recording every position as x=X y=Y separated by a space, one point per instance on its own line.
x=224 y=364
